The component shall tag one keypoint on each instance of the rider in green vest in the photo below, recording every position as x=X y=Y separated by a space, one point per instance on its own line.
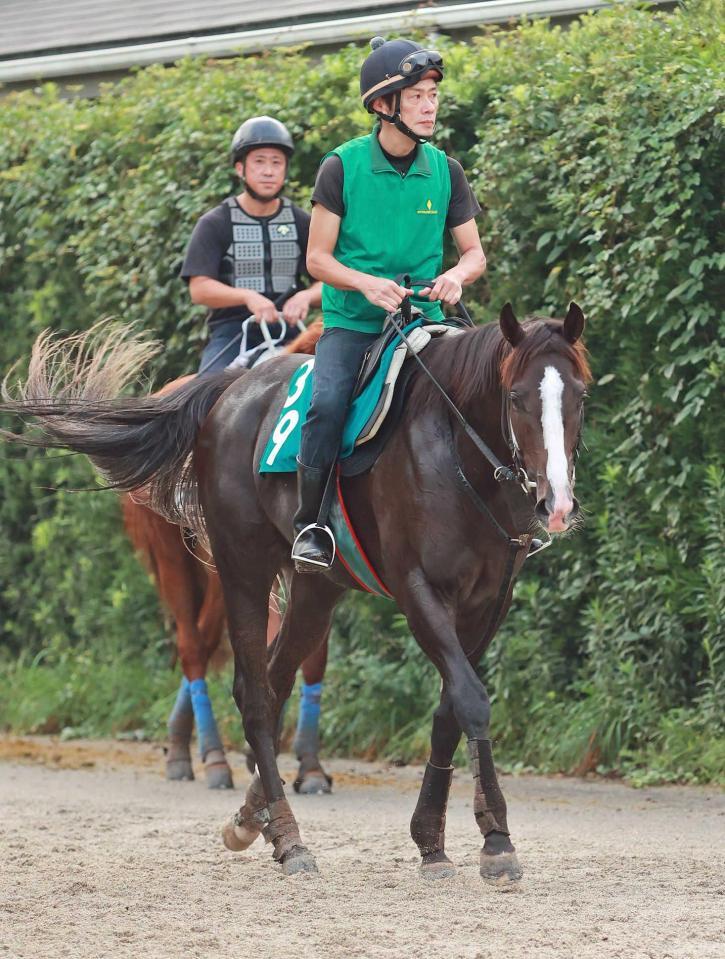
x=381 y=206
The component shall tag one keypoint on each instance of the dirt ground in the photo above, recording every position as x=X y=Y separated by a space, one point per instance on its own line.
x=101 y=857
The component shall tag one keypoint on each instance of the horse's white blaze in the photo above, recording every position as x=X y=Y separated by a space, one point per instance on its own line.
x=551 y=390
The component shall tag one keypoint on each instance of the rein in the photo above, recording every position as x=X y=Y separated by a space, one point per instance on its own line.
x=502 y=474
x=515 y=473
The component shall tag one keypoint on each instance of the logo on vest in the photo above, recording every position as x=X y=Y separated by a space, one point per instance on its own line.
x=283 y=230
x=428 y=208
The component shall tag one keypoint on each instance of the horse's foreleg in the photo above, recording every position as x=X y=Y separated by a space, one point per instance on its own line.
x=311 y=777
x=194 y=658
x=209 y=628
x=433 y=627
x=428 y=825
x=176 y=571
x=303 y=637
x=181 y=726
x=499 y=865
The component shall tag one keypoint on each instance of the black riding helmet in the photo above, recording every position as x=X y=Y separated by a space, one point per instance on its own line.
x=261 y=132
x=391 y=66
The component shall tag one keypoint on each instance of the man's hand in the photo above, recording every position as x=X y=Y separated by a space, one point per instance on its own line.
x=297 y=307
x=260 y=307
x=448 y=288
x=383 y=293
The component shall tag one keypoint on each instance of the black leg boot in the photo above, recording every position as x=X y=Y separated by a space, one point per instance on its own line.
x=314 y=547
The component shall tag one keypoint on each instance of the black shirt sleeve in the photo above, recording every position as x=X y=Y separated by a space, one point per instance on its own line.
x=463 y=206
x=209 y=242
x=328 y=185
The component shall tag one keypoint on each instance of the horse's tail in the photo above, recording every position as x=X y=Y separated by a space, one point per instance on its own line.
x=72 y=391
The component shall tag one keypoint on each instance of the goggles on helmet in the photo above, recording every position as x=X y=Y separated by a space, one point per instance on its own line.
x=420 y=62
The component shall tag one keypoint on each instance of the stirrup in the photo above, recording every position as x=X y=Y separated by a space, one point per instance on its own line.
x=303 y=560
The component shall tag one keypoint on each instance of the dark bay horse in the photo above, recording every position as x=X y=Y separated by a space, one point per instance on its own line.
x=445 y=537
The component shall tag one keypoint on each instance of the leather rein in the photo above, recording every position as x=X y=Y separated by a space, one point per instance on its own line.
x=516 y=473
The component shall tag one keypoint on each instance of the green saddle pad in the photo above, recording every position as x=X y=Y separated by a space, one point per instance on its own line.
x=283 y=445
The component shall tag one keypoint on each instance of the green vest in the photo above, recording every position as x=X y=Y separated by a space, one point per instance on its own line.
x=391 y=225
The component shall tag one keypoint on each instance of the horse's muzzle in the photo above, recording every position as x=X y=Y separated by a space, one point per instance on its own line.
x=556 y=517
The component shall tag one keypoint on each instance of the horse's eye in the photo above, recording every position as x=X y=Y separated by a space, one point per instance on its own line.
x=516 y=403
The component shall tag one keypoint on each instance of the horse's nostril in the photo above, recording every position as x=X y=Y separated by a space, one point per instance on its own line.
x=574 y=509
x=541 y=510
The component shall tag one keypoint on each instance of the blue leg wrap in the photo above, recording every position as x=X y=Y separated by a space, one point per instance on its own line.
x=181 y=720
x=307 y=738
x=206 y=730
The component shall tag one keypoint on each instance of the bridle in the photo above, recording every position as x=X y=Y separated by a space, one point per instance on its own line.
x=502 y=474
x=507 y=431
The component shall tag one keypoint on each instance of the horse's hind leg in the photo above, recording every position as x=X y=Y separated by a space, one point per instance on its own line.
x=305 y=627
x=265 y=809
x=428 y=825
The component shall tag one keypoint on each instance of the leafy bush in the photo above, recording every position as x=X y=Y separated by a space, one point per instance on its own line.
x=596 y=151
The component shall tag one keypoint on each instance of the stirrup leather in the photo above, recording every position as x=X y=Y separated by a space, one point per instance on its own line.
x=311 y=562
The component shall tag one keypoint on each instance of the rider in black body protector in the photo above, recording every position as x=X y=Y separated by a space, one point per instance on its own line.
x=246 y=257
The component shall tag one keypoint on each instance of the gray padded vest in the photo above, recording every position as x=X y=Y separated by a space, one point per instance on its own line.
x=263 y=254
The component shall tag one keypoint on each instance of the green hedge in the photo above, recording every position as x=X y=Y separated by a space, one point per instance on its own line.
x=597 y=153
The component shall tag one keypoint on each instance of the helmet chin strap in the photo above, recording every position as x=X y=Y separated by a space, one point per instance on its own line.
x=258 y=196
x=397 y=122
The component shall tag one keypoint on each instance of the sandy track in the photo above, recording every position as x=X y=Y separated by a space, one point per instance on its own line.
x=100 y=857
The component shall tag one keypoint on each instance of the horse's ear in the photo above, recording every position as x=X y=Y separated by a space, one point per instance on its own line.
x=573 y=323
x=510 y=326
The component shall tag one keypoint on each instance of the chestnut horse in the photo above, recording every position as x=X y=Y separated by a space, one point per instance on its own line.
x=445 y=535
x=190 y=592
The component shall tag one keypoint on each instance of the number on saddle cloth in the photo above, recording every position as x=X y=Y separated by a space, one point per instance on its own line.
x=366 y=413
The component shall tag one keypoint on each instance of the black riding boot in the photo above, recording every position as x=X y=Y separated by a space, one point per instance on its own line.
x=314 y=547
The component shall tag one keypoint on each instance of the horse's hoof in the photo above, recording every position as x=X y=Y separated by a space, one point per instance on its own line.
x=179 y=769
x=238 y=838
x=313 y=783
x=439 y=867
x=502 y=870
x=218 y=776
x=299 y=860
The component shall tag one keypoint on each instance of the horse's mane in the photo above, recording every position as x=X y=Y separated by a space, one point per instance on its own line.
x=479 y=361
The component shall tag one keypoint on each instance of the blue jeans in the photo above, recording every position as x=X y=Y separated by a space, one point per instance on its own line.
x=222 y=347
x=338 y=358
